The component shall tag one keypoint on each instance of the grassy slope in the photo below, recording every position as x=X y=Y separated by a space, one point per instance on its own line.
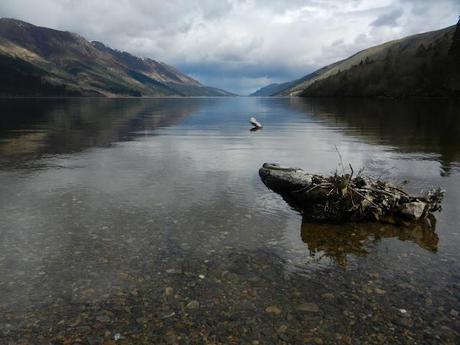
x=270 y=90
x=20 y=78
x=418 y=65
x=283 y=88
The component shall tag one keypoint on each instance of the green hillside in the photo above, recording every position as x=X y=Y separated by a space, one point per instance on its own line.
x=423 y=65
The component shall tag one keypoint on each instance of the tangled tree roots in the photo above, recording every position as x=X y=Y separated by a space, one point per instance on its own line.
x=341 y=198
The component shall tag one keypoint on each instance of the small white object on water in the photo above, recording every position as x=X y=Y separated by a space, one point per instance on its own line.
x=255 y=123
x=201 y=276
x=403 y=311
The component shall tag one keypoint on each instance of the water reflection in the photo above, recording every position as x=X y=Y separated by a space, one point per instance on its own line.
x=31 y=128
x=157 y=194
x=60 y=126
x=430 y=127
x=338 y=241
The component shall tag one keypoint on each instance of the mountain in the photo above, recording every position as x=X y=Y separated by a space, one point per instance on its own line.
x=270 y=90
x=38 y=61
x=279 y=89
x=423 y=65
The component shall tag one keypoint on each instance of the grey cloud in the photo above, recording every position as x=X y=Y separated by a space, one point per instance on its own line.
x=239 y=44
x=243 y=78
x=389 y=18
x=212 y=9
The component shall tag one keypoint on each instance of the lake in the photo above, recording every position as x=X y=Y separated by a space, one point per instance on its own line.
x=144 y=221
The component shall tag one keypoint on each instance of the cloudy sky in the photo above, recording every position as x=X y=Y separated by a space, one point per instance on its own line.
x=239 y=45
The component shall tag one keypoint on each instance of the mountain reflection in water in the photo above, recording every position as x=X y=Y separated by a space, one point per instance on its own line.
x=61 y=126
x=424 y=126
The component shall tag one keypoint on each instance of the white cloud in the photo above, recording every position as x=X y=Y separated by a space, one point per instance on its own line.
x=257 y=40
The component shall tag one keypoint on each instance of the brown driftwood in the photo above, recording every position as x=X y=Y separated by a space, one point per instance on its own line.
x=341 y=198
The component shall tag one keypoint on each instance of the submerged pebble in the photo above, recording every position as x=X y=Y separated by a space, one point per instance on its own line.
x=308 y=307
x=273 y=310
x=193 y=305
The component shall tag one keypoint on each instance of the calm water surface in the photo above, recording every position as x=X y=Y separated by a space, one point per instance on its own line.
x=143 y=221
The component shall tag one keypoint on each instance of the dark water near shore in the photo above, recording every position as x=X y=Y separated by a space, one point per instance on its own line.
x=143 y=221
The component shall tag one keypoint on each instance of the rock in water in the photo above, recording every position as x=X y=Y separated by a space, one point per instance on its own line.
x=342 y=198
x=273 y=310
x=255 y=123
x=308 y=307
x=193 y=305
x=414 y=210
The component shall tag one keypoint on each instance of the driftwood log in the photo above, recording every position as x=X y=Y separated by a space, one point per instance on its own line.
x=343 y=198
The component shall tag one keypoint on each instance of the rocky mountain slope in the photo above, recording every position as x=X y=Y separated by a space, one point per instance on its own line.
x=423 y=65
x=37 y=61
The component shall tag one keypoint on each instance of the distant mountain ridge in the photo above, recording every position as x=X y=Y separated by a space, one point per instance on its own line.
x=38 y=61
x=422 y=65
x=270 y=90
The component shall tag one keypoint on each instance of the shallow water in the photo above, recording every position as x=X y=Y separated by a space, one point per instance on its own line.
x=144 y=221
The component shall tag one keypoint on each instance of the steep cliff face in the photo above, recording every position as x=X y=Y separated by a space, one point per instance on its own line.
x=37 y=61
